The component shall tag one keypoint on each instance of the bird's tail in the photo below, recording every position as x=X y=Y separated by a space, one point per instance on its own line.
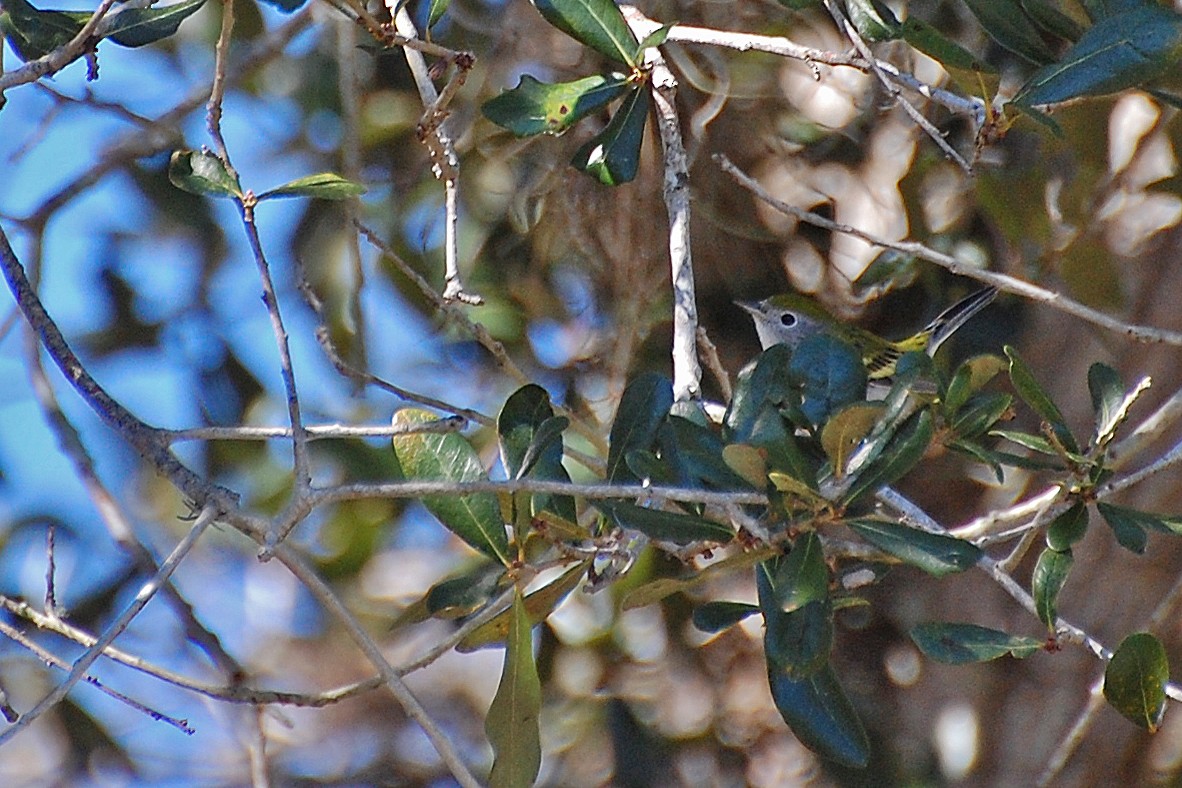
x=955 y=316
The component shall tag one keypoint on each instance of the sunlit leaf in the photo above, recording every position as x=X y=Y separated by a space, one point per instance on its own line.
x=845 y=430
x=596 y=23
x=33 y=33
x=323 y=186
x=1068 y=528
x=613 y=155
x=135 y=27
x=902 y=454
x=655 y=591
x=936 y=554
x=960 y=644
x=1135 y=680
x=201 y=172
x=665 y=526
x=512 y=721
x=1050 y=573
x=535 y=107
x=539 y=605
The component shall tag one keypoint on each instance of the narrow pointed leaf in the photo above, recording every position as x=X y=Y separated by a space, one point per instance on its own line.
x=539 y=605
x=981 y=415
x=33 y=33
x=897 y=459
x=1135 y=680
x=1039 y=401
x=935 y=554
x=596 y=23
x=961 y=644
x=643 y=407
x=655 y=591
x=1122 y=516
x=512 y=721
x=324 y=186
x=1050 y=573
x=802 y=576
x=666 y=526
x=653 y=39
x=535 y=107
x=475 y=518
x=200 y=172
x=463 y=595
x=135 y=27
x=613 y=155
x=873 y=21
x=821 y=716
x=435 y=11
x=951 y=55
x=717 y=616
x=1007 y=23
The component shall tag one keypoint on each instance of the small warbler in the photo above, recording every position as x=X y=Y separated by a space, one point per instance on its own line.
x=791 y=318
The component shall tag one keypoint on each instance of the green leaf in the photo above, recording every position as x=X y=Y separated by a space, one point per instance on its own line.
x=802 y=576
x=820 y=715
x=643 y=408
x=666 y=526
x=984 y=412
x=873 y=20
x=936 y=554
x=1050 y=573
x=890 y=270
x=697 y=453
x=1007 y=23
x=1135 y=680
x=512 y=722
x=475 y=518
x=535 y=107
x=970 y=377
x=539 y=605
x=613 y=155
x=201 y=172
x=435 y=11
x=1039 y=401
x=902 y=454
x=1108 y=395
x=33 y=33
x=1129 y=526
x=717 y=616
x=1068 y=528
x=465 y=594
x=945 y=51
x=324 y=186
x=135 y=27
x=530 y=439
x=845 y=430
x=831 y=372
x=961 y=644
x=655 y=591
x=653 y=39
x=796 y=643
x=1118 y=52
x=596 y=23
x=979 y=453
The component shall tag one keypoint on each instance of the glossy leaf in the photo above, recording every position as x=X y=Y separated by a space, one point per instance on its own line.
x=1007 y=23
x=323 y=186
x=643 y=408
x=902 y=454
x=699 y=455
x=754 y=414
x=475 y=518
x=1130 y=526
x=535 y=107
x=665 y=526
x=845 y=430
x=1068 y=528
x=201 y=172
x=961 y=644
x=512 y=722
x=982 y=415
x=820 y=715
x=1037 y=398
x=33 y=33
x=1135 y=680
x=1118 y=52
x=539 y=605
x=970 y=377
x=653 y=39
x=653 y=592
x=465 y=594
x=529 y=436
x=795 y=643
x=1050 y=573
x=936 y=554
x=718 y=616
x=613 y=155
x=435 y=11
x=802 y=576
x=832 y=375
x=873 y=20
x=135 y=27
x=596 y=23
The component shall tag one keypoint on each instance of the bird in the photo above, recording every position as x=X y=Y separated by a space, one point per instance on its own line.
x=791 y=318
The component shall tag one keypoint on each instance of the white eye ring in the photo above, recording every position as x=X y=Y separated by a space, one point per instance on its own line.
x=787 y=319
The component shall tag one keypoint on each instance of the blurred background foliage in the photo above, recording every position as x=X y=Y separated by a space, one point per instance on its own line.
x=155 y=289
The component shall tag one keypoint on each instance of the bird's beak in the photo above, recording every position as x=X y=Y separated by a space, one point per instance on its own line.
x=751 y=306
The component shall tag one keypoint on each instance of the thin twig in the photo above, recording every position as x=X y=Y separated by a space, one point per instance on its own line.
x=316 y=431
x=348 y=492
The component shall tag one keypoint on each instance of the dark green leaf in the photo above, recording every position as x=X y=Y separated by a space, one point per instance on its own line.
x=1007 y=23
x=1123 y=515
x=754 y=418
x=643 y=408
x=512 y=722
x=820 y=715
x=698 y=455
x=435 y=11
x=960 y=644
x=596 y=23
x=936 y=554
x=653 y=39
x=665 y=526
x=1068 y=528
x=717 y=616
x=539 y=605
x=1108 y=396
x=135 y=27
x=873 y=20
x=613 y=155
x=475 y=518
x=201 y=172
x=1135 y=680
x=1047 y=16
x=1118 y=52
x=984 y=412
x=802 y=576
x=979 y=453
x=1050 y=573
x=831 y=372
x=905 y=450
x=796 y=643
x=324 y=186
x=945 y=51
x=465 y=594
x=518 y=426
x=1039 y=401
x=535 y=107
x=33 y=33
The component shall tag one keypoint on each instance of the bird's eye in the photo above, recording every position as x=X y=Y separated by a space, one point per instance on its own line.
x=787 y=319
